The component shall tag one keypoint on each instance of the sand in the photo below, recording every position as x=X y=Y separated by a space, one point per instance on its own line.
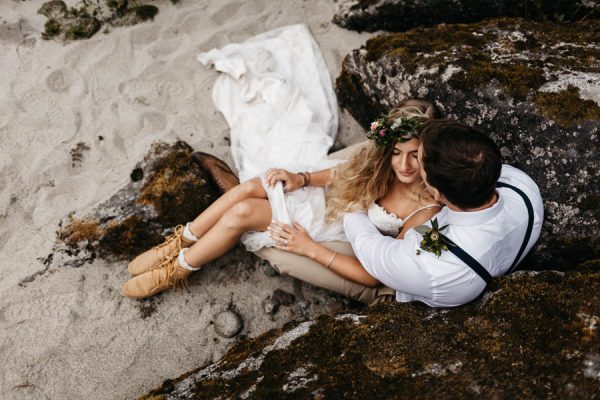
x=65 y=332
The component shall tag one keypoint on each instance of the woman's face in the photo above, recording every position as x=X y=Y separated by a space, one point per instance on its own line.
x=404 y=160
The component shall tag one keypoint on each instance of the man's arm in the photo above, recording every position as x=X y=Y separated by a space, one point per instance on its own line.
x=391 y=261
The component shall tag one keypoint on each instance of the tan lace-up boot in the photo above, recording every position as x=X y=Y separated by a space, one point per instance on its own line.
x=165 y=276
x=158 y=254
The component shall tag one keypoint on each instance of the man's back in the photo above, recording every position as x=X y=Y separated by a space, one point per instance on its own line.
x=493 y=236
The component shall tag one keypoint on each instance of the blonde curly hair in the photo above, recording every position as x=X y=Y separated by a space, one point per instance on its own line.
x=368 y=176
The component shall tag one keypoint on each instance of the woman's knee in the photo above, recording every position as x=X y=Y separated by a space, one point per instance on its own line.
x=252 y=188
x=237 y=216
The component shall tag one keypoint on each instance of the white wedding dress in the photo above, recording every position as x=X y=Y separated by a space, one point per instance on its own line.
x=276 y=94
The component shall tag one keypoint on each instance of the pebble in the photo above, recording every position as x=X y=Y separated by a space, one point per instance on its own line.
x=270 y=306
x=228 y=324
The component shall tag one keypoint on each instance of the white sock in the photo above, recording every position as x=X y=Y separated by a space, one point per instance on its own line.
x=188 y=235
x=183 y=263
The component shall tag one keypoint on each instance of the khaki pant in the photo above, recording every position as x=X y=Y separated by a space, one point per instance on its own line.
x=312 y=272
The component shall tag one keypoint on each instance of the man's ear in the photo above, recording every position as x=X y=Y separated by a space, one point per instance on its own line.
x=437 y=196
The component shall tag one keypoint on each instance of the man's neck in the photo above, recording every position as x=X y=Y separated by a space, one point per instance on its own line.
x=488 y=204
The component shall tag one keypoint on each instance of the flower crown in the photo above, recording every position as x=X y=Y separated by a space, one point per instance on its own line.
x=400 y=130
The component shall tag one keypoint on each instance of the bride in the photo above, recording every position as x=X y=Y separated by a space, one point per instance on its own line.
x=382 y=178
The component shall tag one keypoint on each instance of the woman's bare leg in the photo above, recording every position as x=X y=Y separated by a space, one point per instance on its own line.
x=209 y=217
x=247 y=215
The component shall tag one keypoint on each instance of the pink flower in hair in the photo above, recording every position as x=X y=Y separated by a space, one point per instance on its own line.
x=374 y=126
x=382 y=133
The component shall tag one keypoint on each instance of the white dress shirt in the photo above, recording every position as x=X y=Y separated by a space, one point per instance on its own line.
x=492 y=236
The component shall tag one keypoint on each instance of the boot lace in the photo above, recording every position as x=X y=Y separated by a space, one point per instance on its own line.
x=170 y=279
x=162 y=250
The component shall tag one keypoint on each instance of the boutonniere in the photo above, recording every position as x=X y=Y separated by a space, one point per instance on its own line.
x=433 y=240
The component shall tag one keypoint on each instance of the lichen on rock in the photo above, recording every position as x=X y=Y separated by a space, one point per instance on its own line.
x=532 y=334
x=401 y=15
x=534 y=87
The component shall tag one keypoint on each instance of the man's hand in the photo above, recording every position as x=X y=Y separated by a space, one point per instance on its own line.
x=290 y=180
x=294 y=239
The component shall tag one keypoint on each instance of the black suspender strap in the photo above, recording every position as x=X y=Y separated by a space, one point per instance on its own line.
x=467 y=259
x=473 y=263
x=529 y=222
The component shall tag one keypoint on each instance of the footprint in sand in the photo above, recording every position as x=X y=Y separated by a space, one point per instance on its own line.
x=155 y=91
x=64 y=80
x=8 y=111
x=191 y=129
x=194 y=23
x=227 y=12
x=153 y=122
x=164 y=47
x=142 y=35
x=52 y=306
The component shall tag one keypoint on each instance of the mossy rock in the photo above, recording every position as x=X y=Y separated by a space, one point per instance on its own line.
x=87 y=17
x=532 y=86
x=134 y=15
x=534 y=335
x=401 y=15
x=53 y=9
x=169 y=187
x=81 y=28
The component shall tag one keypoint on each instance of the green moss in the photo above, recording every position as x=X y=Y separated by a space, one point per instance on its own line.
x=566 y=107
x=51 y=29
x=517 y=80
x=178 y=188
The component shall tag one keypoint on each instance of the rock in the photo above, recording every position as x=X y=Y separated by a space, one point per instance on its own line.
x=534 y=334
x=135 y=15
x=279 y=297
x=86 y=18
x=228 y=324
x=268 y=270
x=166 y=189
x=534 y=87
x=80 y=28
x=283 y=297
x=401 y=15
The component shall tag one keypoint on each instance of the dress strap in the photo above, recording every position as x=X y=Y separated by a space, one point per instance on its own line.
x=412 y=214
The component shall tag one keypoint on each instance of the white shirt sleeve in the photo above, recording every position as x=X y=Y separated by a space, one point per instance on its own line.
x=391 y=261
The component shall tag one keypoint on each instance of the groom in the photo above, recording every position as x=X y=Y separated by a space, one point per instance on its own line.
x=493 y=214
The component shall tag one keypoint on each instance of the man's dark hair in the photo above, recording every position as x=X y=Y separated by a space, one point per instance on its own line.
x=461 y=162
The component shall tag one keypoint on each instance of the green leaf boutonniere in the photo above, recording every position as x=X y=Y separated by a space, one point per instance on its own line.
x=433 y=240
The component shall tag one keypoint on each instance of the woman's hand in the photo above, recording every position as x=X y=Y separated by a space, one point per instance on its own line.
x=294 y=239
x=290 y=180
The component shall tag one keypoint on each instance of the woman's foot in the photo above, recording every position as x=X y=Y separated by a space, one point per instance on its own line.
x=155 y=256
x=167 y=275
